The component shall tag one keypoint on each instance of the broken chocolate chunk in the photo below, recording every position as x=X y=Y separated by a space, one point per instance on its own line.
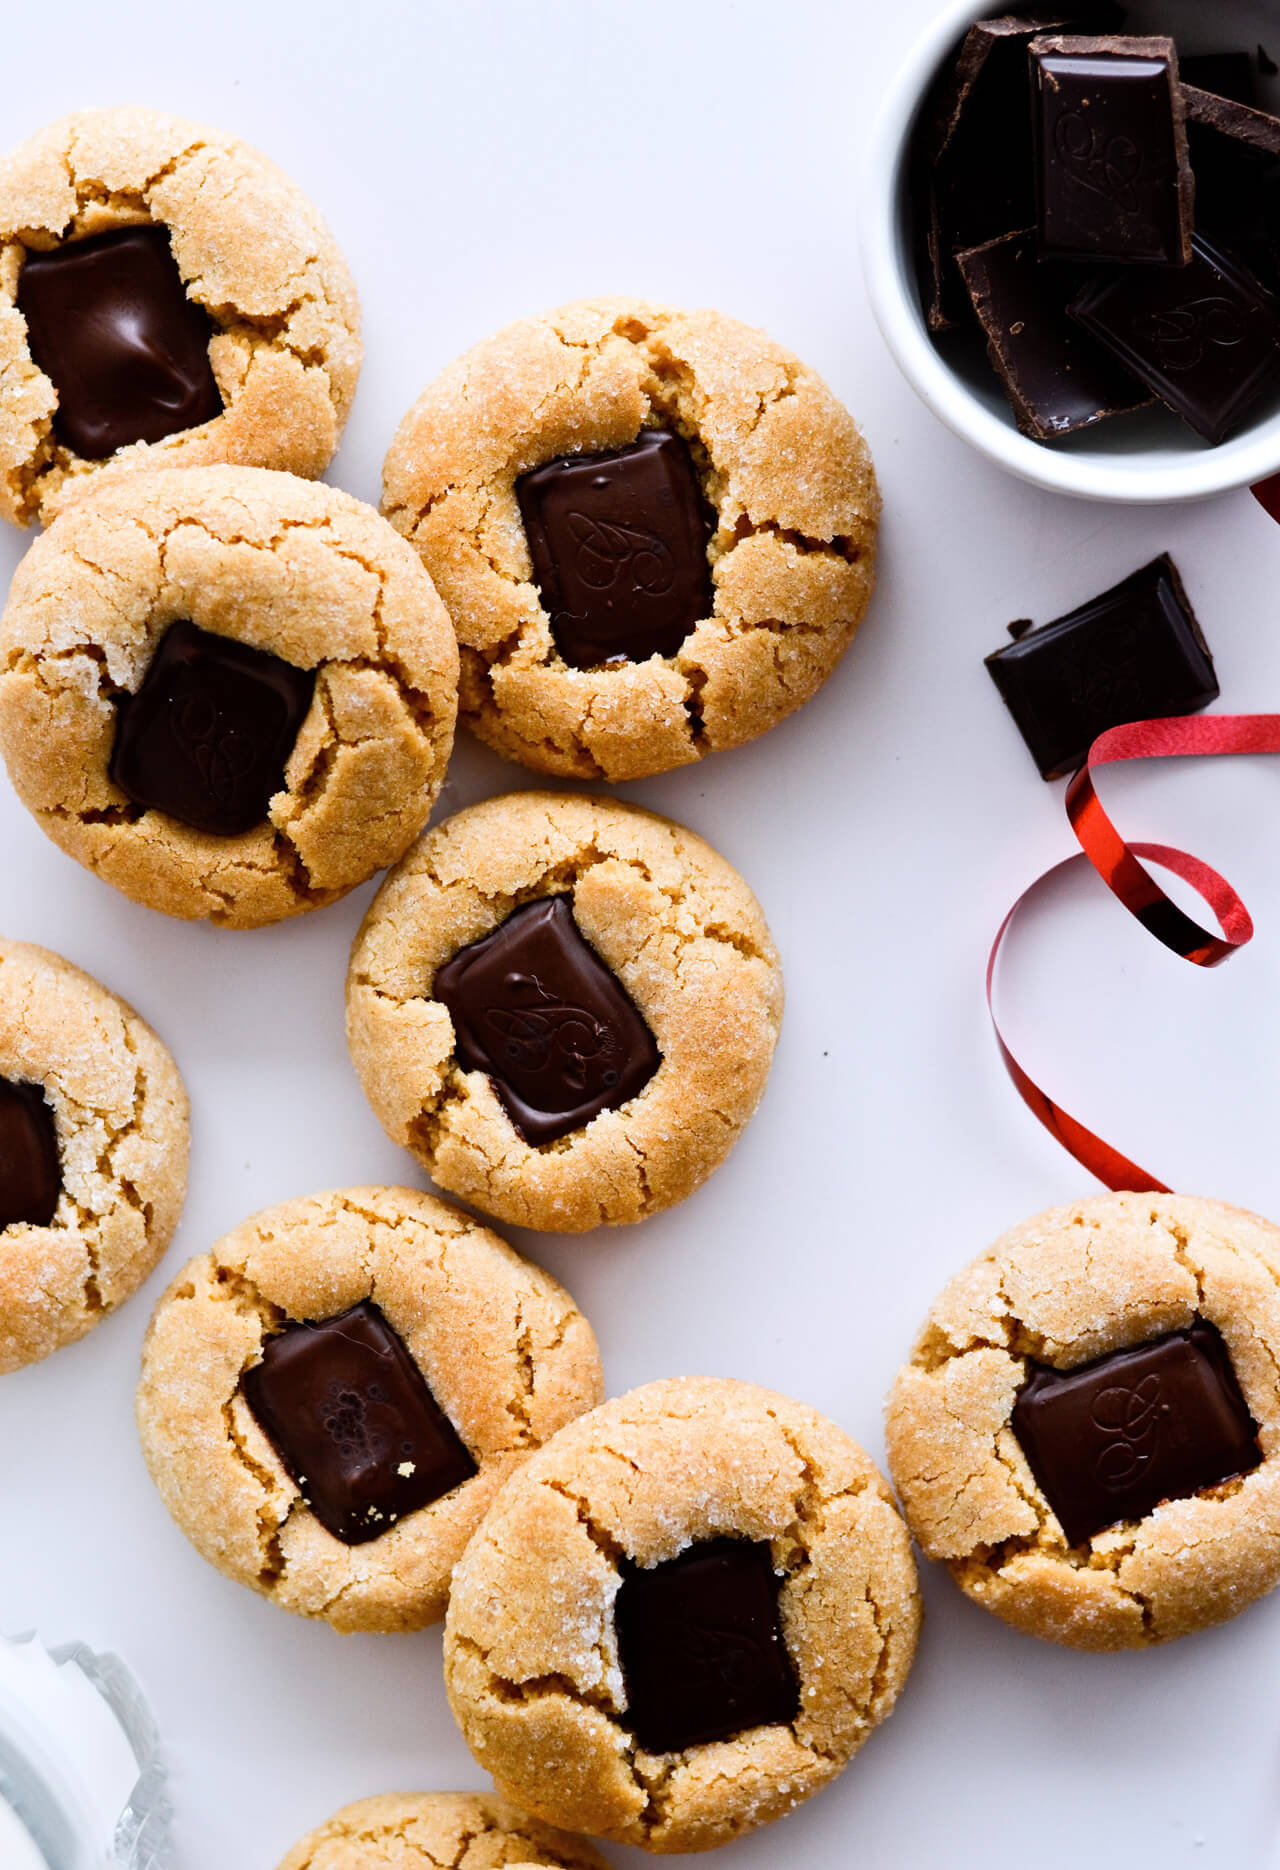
x=1056 y=378
x=1133 y=653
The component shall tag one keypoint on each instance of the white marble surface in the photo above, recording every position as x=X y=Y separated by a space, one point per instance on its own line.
x=483 y=160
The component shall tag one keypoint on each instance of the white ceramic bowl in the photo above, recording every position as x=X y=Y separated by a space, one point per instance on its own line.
x=1144 y=458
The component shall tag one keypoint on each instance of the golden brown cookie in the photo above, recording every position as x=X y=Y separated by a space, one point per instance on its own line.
x=450 y=1361
x=228 y=692
x=438 y=1831
x=684 y=1615
x=93 y=1152
x=258 y=360
x=1139 y=1499
x=784 y=505
x=565 y=1007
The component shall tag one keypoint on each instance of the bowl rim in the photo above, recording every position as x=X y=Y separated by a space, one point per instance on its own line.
x=889 y=275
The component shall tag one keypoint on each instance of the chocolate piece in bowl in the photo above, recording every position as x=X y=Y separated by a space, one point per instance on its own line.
x=1204 y=337
x=1226 y=74
x=619 y=548
x=533 y=1005
x=1056 y=378
x=110 y=323
x=1112 y=1439
x=351 y=1416
x=1235 y=151
x=1113 y=180
x=1133 y=653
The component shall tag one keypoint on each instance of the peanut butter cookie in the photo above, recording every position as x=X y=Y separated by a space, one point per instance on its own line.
x=332 y=1395
x=438 y=1831
x=93 y=1152
x=228 y=692
x=565 y=1007
x=655 y=532
x=684 y=1615
x=224 y=322
x=1088 y=1432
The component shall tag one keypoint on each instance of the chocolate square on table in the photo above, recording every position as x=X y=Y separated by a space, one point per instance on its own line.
x=1113 y=1439
x=701 y=1646
x=619 y=549
x=208 y=733
x=110 y=324
x=535 y=1007
x=1112 y=174
x=351 y=1417
x=1056 y=378
x=1204 y=337
x=1132 y=653
x=30 y=1163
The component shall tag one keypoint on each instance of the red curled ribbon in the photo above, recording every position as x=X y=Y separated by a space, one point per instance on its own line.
x=1117 y=863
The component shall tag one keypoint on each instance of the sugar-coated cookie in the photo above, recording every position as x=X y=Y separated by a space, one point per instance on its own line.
x=167 y=297
x=438 y=1831
x=228 y=692
x=655 y=531
x=332 y=1395
x=93 y=1152
x=1088 y=1431
x=682 y=1616
x=565 y=1007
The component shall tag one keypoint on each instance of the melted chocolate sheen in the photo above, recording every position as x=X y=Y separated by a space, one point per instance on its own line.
x=619 y=549
x=208 y=733
x=701 y=1646
x=110 y=323
x=1111 y=1440
x=1134 y=653
x=30 y=1166
x=533 y=1005
x=352 y=1418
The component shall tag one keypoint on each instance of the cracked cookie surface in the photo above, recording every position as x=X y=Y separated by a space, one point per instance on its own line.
x=120 y=1115
x=288 y=566
x=250 y=249
x=667 y=915
x=1062 y=1289
x=438 y=1831
x=531 y=1650
x=505 y=1352
x=782 y=467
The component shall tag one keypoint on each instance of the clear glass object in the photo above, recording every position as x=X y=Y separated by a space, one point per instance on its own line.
x=82 y=1786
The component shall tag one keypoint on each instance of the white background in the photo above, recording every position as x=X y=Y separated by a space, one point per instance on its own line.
x=477 y=162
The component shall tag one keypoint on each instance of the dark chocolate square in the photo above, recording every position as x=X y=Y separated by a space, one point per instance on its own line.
x=208 y=733
x=1235 y=152
x=351 y=1416
x=1056 y=378
x=1133 y=653
x=619 y=549
x=1112 y=1439
x=1204 y=337
x=110 y=323
x=701 y=1646
x=535 y=1007
x=30 y=1164
x=1113 y=178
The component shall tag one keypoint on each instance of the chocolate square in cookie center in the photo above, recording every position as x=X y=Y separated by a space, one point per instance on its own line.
x=619 y=549
x=1113 y=1439
x=535 y=1007
x=208 y=733
x=30 y=1165
x=352 y=1418
x=110 y=323
x=701 y=1648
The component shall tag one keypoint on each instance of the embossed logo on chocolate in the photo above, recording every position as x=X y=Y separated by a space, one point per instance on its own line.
x=218 y=743
x=533 y=1006
x=1129 y=1420
x=1180 y=335
x=608 y=551
x=1107 y=165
